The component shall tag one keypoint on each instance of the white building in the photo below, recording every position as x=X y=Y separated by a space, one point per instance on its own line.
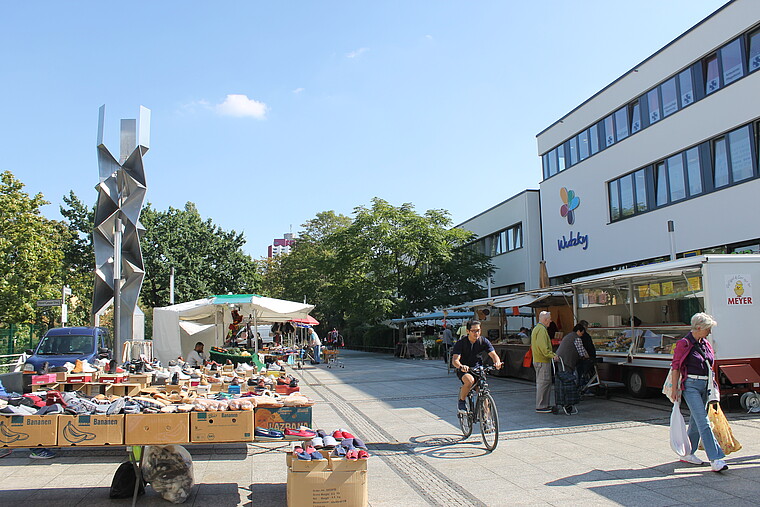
x=674 y=139
x=510 y=233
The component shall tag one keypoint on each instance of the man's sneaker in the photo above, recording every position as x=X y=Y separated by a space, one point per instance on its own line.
x=690 y=458
x=462 y=407
x=546 y=410
x=45 y=454
x=718 y=465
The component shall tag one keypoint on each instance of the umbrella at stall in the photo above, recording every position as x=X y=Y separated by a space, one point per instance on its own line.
x=308 y=321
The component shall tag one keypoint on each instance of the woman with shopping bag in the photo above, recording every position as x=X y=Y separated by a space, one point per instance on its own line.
x=691 y=378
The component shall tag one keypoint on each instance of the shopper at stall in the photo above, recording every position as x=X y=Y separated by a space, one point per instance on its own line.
x=693 y=358
x=586 y=364
x=196 y=357
x=541 y=348
x=447 y=338
x=524 y=336
x=571 y=350
x=466 y=354
x=316 y=345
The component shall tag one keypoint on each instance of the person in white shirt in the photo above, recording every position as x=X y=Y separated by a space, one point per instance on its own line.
x=316 y=344
x=196 y=358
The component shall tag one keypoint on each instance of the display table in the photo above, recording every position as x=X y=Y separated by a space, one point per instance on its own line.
x=512 y=355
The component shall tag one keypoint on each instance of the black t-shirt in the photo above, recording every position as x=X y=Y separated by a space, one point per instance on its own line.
x=588 y=344
x=470 y=352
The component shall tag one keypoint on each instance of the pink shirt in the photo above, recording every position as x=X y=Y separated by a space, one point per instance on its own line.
x=682 y=352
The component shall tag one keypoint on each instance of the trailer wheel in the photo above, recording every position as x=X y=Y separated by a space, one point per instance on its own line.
x=636 y=384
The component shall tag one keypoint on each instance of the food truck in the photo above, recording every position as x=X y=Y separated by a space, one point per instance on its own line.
x=637 y=315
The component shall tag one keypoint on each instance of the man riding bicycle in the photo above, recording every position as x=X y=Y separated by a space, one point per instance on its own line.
x=467 y=354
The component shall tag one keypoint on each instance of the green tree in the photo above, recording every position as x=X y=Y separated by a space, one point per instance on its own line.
x=207 y=259
x=79 y=258
x=31 y=256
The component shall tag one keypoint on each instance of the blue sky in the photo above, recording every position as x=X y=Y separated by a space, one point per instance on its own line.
x=266 y=113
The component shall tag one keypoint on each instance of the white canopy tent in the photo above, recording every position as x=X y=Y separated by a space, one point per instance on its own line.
x=177 y=328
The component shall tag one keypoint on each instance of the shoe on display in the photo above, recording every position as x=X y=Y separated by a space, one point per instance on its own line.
x=267 y=434
x=329 y=442
x=359 y=444
x=299 y=434
x=301 y=453
x=718 y=465
x=348 y=443
x=339 y=451
x=42 y=454
x=352 y=454
x=362 y=454
x=77 y=368
x=315 y=454
x=338 y=435
x=462 y=407
x=690 y=458
x=317 y=442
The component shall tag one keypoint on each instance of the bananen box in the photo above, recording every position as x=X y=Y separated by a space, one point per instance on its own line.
x=90 y=430
x=28 y=430
x=229 y=426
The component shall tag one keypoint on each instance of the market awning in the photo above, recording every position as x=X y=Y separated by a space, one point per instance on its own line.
x=266 y=309
x=661 y=269
x=435 y=316
x=192 y=328
x=308 y=321
x=523 y=300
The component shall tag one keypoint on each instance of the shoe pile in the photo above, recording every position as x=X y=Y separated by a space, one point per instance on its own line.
x=350 y=447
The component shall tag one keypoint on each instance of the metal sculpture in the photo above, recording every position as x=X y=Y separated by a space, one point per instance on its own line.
x=119 y=268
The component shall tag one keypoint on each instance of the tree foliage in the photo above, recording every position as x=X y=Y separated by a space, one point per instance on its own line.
x=387 y=261
x=31 y=256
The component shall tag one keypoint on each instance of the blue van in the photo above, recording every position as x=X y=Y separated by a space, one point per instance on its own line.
x=67 y=344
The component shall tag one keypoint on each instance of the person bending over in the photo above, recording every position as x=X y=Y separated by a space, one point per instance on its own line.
x=467 y=354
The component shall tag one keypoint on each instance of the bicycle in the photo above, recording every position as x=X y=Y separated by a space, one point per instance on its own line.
x=481 y=408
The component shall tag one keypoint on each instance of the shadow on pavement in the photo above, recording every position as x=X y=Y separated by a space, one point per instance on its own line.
x=268 y=494
x=447 y=446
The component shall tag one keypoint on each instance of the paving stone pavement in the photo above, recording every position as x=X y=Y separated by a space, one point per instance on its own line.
x=614 y=452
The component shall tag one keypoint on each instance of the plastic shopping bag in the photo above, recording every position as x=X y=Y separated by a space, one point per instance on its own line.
x=668 y=388
x=679 y=438
x=722 y=431
x=169 y=470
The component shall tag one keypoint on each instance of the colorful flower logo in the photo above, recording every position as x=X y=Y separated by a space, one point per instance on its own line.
x=571 y=202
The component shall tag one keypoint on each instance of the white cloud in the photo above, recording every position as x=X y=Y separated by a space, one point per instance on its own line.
x=242 y=106
x=298 y=90
x=356 y=53
x=429 y=37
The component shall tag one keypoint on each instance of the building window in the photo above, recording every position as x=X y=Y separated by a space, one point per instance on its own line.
x=694 y=171
x=583 y=145
x=675 y=178
x=712 y=76
x=720 y=163
x=754 y=51
x=741 y=154
x=552 y=162
x=573 y=143
x=687 y=89
x=545 y=164
x=635 y=117
x=731 y=60
x=614 y=201
x=653 y=101
x=621 y=123
x=669 y=97
x=561 y=157
x=594 y=135
x=641 y=190
x=500 y=242
x=609 y=131
x=661 y=184
x=626 y=196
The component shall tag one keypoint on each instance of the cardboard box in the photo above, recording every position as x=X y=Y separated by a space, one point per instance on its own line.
x=327 y=488
x=283 y=418
x=124 y=389
x=77 y=378
x=140 y=378
x=28 y=430
x=47 y=378
x=60 y=376
x=299 y=465
x=229 y=426
x=90 y=430
x=155 y=429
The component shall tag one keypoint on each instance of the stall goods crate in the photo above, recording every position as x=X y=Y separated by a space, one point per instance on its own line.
x=124 y=389
x=283 y=417
x=156 y=429
x=229 y=426
x=28 y=430
x=47 y=378
x=90 y=430
x=78 y=378
x=112 y=378
x=326 y=482
x=140 y=378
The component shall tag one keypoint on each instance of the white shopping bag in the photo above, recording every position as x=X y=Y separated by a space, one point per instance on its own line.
x=679 y=438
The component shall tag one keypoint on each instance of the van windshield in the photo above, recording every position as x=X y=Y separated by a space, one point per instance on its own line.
x=69 y=344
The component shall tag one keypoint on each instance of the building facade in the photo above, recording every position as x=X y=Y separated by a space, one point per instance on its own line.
x=662 y=160
x=281 y=246
x=510 y=233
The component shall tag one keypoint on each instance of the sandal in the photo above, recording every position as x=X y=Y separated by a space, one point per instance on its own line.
x=362 y=454
x=352 y=455
x=339 y=452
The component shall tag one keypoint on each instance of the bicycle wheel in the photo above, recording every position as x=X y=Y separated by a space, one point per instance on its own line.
x=489 y=421
x=465 y=420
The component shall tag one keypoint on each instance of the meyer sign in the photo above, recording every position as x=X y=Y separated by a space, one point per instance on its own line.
x=49 y=302
x=738 y=290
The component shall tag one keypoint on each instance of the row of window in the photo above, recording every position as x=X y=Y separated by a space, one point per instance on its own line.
x=508 y=289
x=728 y=64
x=720 y=162
x=500 y=242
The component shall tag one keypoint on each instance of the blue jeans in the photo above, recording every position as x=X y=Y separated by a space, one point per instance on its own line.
x=317 y=353
x=695 y=394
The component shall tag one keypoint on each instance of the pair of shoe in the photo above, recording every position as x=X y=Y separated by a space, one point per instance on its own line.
x=547 y=410
x=308 y=454
x=351 y=443
x=267 y=434
x=462 y=407
x=341 y=434
x=717 y=465
x=351 y=453
x=299 y=434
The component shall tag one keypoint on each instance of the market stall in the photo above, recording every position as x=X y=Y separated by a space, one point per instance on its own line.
x=417 y=335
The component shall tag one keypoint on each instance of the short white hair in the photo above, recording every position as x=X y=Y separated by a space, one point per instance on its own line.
x=702 y=321
x=543 y=315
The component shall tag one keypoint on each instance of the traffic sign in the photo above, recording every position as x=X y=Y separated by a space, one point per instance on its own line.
x=49 y=302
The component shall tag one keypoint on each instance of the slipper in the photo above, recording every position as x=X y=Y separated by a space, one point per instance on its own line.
x=321 y=433
x=329 y=442
x=315 y=454
x=362 y=454
x=359 y=443
x=338 y=435
x=347 y=435
x=352 y=455
x=348 y=443
x=301 y=454
x=317 y=442
x=339 y=452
